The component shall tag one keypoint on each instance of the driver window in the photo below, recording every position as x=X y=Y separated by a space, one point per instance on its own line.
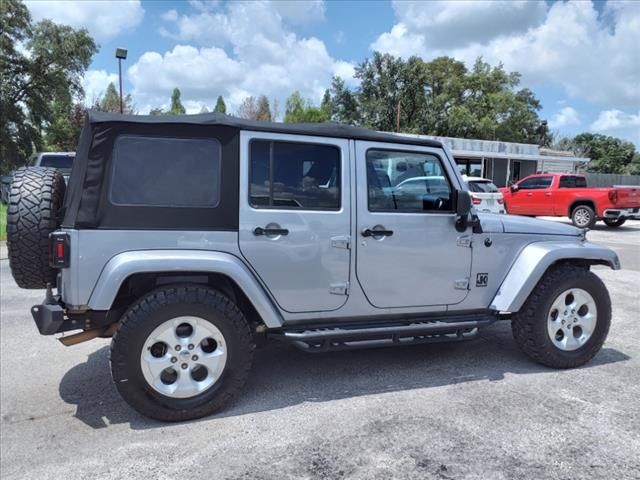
x=407 y=182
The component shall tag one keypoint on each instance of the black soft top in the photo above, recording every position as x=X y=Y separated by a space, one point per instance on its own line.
x=330 y=129
x=88 y=203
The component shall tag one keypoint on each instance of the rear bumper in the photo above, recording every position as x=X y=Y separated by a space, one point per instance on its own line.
x=49 y=317
x=615 y=213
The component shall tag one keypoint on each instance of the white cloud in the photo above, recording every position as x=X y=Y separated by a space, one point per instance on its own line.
x=236 y=49
x=95 y=83
x=103 y=19
x=567 y=116
x=618 y=122
x=593 y=57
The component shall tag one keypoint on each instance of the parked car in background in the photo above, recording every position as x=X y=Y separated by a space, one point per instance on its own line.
x=565 y=195
x=63 y=161
x=485 y=196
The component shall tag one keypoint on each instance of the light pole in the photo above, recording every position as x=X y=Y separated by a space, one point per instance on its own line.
x=121 y=54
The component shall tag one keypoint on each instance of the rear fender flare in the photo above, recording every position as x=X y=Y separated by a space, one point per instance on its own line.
x=123 y=265
x=536 y=258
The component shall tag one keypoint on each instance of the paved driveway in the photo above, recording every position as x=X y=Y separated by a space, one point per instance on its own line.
x=478 y=409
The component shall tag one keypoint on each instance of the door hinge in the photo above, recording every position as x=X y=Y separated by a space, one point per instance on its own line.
x=464 y=241
x=462 y=284
x=341 y=241
x=339 y=288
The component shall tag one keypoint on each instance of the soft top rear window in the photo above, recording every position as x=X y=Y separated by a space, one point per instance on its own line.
x=165 y=172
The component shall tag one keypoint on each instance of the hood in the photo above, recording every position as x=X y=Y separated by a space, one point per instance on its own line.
x=492 y=223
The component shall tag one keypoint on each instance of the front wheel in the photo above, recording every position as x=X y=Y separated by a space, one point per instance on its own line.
x=614 y=223
x=565 y=320
x=181 y=353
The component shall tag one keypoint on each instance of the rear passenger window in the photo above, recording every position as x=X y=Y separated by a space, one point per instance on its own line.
x=172 y=172
x=567 y=182
x=291 y=175
x=406 y=182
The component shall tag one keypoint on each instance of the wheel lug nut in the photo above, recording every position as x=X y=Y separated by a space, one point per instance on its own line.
x=194 y=358
x=178 y=348
x=184 y=366
x=191 y=346
x=174 y=359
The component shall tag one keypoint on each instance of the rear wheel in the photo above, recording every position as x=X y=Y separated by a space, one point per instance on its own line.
x=565 y=320
x=614 y=223
x=35 y=200
x=583 y=216
x=181 y=353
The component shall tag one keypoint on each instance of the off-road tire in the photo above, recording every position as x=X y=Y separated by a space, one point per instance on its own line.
x=587 y=210
x=618 y=222
x=529 y=325
x=35 y=201
x=151 y=311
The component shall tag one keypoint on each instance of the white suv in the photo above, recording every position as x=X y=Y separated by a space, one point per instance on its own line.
x=485 y=195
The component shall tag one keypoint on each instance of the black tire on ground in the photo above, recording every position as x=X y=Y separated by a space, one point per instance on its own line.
x=614 y=223
x=151 y=311
x=35 y=200
x=583 y=216
x=529 y=325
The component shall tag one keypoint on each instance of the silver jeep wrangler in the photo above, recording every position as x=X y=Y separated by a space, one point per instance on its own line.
x=188 y=238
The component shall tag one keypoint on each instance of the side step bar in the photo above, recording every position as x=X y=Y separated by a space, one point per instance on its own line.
x=347 y=337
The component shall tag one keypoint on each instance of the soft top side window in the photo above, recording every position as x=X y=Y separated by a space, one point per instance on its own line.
x=408 y=182
x=294 y=175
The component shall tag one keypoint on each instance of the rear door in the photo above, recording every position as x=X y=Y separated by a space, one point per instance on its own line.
x=408 y=253
x=295 y=217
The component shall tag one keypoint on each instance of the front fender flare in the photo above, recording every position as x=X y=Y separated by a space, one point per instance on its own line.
x=126 y=264
x=533 y=262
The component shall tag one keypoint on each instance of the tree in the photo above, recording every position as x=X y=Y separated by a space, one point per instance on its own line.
x=263 y=110
x=63 y=133
x=248 y=108
x=298 y=110
x=608 y=154
x=110 y=102
x=176 y=105
x=221 y=107
x=440 y=97
x=48 y=65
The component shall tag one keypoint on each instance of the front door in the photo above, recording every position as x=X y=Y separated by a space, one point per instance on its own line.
x=531 y=197
x=295 y=217
x=409 y=253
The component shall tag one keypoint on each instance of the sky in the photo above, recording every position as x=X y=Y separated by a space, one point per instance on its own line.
x=581 y=58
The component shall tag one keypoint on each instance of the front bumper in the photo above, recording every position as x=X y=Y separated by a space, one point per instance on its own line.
x=615 y=213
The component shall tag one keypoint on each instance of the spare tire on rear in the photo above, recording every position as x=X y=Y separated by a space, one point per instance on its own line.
x=35 y=201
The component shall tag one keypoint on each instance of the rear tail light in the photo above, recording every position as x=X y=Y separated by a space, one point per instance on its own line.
x=59 y=253
x=500 y=200
x=476 y=200
x=613 y=196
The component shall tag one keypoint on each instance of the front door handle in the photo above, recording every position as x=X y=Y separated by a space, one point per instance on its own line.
x=529 y=194
x=270 y=231
x=367 y=232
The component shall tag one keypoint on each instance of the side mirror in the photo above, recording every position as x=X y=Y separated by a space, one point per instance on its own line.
x=514 y=188
x=463 y=203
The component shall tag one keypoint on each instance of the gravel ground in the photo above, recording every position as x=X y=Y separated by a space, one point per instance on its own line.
x=477 y=409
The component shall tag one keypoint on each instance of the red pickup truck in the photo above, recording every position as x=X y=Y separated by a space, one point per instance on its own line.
x=563 y=195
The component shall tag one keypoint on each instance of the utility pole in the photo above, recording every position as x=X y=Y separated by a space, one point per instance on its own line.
x=121 y=54
x=398 y=117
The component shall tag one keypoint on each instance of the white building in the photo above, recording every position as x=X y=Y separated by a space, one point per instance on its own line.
x=505 y=162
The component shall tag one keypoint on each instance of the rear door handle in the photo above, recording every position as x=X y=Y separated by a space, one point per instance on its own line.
x=367 y=232
x=270 y=231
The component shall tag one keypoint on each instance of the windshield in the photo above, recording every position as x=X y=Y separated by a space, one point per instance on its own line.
x=57 y=161
x=483 y=187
